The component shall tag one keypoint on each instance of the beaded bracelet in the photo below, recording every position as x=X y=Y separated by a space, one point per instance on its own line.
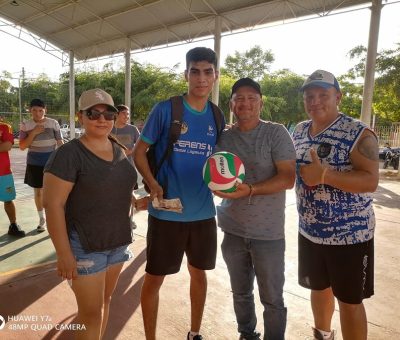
x=251 y=193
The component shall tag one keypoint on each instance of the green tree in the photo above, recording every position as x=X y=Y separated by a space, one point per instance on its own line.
x=283 y=102
x=41 y=87
x=386 y=99
x=225 y=86
x=253 y=63
x=351 y=96
x=151 y=84
x=8 y=93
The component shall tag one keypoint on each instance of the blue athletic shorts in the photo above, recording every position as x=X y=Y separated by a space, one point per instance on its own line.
x=95 y=262
x=7 y=188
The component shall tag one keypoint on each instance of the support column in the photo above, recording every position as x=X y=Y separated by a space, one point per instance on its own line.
x=128 y=85
x=370 y=62
x=217 y=49
x=71 y=94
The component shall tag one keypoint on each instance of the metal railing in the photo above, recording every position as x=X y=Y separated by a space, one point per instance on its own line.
x=388 y=134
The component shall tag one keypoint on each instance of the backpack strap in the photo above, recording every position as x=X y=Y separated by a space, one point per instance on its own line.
x=174 y=128
x=176 y=118
x=173 y=135
x=177 y=109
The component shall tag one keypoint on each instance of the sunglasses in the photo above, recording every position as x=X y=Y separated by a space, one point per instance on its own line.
x=95 y=115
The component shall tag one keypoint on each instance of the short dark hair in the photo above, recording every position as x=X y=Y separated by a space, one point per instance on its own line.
x=122 y=107
x=37 y=102
x=201 y=54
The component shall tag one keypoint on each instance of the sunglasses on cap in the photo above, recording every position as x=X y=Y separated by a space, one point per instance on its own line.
x=95 y=115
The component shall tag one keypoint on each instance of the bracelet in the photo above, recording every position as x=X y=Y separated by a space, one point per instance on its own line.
x=323 y=175
x=251 y=187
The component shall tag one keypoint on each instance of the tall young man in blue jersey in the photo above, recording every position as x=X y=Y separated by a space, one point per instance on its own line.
x=338 y=168
x=193 y=232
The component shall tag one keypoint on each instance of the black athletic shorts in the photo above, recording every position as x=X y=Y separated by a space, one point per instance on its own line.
x=167 y=241
x=34 y=176
x=348 y=269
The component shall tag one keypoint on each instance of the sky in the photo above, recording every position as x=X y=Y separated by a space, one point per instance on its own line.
x=302 y=47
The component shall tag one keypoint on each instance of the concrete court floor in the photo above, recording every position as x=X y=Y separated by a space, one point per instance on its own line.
x=29 y=287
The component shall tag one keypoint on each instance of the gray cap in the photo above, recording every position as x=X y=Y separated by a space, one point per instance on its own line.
x=321 y=78
x=94 y=97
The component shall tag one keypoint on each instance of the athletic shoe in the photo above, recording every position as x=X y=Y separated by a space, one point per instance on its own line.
x=41 y=228
x=133 y=225
x=319 y=336
x=196 y=337
x=15 y=230
x=253 y=336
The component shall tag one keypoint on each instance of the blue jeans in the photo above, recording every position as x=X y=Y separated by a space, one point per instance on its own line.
x=265 y=260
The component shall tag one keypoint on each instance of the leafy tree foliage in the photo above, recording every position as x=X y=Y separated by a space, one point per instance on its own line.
x=386 y=100
x=8 y=94
x=351 y=97
x=283 y=102
x=253 y=63
x=151 y=84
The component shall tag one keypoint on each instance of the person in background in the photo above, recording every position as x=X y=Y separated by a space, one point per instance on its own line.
x=88 y=185
x=7 y=187
x=193 y=232
x=41 y=135
x=126 y=133
x=139 y=124
x=253 y=216
x=337 y=158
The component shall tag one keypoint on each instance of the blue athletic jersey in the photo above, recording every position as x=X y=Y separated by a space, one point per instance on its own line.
x=328 y=215
x=185 y=165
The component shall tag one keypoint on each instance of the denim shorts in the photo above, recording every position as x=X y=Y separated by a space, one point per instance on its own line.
x=95 y=262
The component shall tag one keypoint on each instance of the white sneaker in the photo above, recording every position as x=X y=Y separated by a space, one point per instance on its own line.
x=319 y=336
x=42 y=226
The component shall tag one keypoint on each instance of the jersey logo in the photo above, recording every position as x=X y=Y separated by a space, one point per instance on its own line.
x=210 y=131
x=184 y=128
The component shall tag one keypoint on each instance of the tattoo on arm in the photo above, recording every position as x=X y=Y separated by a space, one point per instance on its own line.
x=368 y=147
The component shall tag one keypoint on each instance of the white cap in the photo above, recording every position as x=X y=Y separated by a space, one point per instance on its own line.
x=321 y=78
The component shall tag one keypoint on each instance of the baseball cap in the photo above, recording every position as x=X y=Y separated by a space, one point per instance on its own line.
x=246 y=82
x=37 y=102
x=94 y=97
x=321 y=78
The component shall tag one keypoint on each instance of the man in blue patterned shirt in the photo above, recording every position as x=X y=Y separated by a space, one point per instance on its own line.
x=337 y=169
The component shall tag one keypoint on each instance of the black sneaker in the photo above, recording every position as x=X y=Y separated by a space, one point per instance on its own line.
x=196 y=337
x=15 y=230
x=252 y=336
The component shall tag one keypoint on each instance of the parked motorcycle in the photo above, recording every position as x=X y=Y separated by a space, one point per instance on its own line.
x=391 y=159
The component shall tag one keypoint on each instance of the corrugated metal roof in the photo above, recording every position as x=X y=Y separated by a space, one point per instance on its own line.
x=96 y=28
